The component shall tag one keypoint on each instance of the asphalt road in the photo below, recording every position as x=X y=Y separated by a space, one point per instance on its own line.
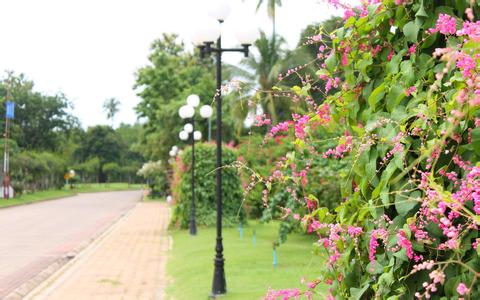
x=32 y=237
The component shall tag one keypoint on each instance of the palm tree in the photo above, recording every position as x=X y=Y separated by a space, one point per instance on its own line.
x=271 y=5
x=111 y=107
x=259 y=76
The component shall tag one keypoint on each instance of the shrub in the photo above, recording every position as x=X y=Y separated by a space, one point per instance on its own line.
x=407 y=100
x=37 y=171
x=156 y=176
x=205 y=187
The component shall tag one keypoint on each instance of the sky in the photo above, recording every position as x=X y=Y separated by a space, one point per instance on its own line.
x=90 y=49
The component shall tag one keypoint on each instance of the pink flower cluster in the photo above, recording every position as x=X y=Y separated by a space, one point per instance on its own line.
x=410 y=90
x=324 y=113
x=376 y=234
x=466 y=63
x=470 y=29
x=405 y=243
x=341 y=149
x=280 y=127
x=445 y=25
x=283 y=294
x=354 y=231
x=300 y=124
x=462 y=289
x=262 y=120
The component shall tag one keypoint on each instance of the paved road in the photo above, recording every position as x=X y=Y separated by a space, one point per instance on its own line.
x=34 y=236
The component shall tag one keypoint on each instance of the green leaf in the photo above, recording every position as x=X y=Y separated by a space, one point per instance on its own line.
x=374 y=267
x=376 y=96
x=421 y=13
x=331 y=62
x=363 y=64
x=411 y=31
x=395 y=96
x=357 y=293
x=404 y=203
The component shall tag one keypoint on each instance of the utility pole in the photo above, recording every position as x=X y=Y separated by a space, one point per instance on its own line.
x=7 y=190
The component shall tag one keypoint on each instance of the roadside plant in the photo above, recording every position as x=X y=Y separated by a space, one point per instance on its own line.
x=401 y=99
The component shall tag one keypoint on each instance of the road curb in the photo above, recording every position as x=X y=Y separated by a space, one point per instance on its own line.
x=37 y=282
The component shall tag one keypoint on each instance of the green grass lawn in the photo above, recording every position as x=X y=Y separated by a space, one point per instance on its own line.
x=66 y=192
x=105 y=187
x=249 y=269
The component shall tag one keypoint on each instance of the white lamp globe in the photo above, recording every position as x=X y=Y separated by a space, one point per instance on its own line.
x=188 y=128
x=189 y=111
x=219 y=9
x=181 y=112
x=197 y=135
x=206 y=111
x=207 y=30
x=193 y=100
x=183 y=135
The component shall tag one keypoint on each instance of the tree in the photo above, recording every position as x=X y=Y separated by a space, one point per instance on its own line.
x=271 y=6
x=100 y=142
x=111 y=107
x=164 y=85
x=40 y=119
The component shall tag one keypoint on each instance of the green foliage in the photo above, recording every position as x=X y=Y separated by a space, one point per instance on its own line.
x=409 y=118
x=40 y=120
x=100 y=142
x=205 y=182
x=112 y=170
x=32 y=171
x=164 y=85
x=156 y=175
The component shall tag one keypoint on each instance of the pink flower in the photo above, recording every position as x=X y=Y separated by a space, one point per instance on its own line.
x=465 y=63
x=262 y=120
x=405 y=243
x=344 y=59
x=341 y=149
x=470 y=29
x=376 y=234
x=462 y=289
x=410 y=90
x=279 y=127
x=390 y=55
x=324 y=113
x=445 y=25
x=475 y=244
x=300 y=123
x=354 y=231
x=348 y=13
x=412 y=49
x=469 y=13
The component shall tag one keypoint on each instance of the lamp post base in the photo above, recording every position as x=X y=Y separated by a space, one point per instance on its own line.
x=193 y=227
x=219 y=286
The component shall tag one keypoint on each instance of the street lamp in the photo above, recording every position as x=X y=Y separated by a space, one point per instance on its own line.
x=188 y=112
x=207 y=32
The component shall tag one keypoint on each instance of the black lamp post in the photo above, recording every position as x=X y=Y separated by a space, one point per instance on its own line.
x=205 y=43
x=188 y=112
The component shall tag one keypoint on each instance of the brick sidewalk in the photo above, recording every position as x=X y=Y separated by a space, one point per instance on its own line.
x=128 y=262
